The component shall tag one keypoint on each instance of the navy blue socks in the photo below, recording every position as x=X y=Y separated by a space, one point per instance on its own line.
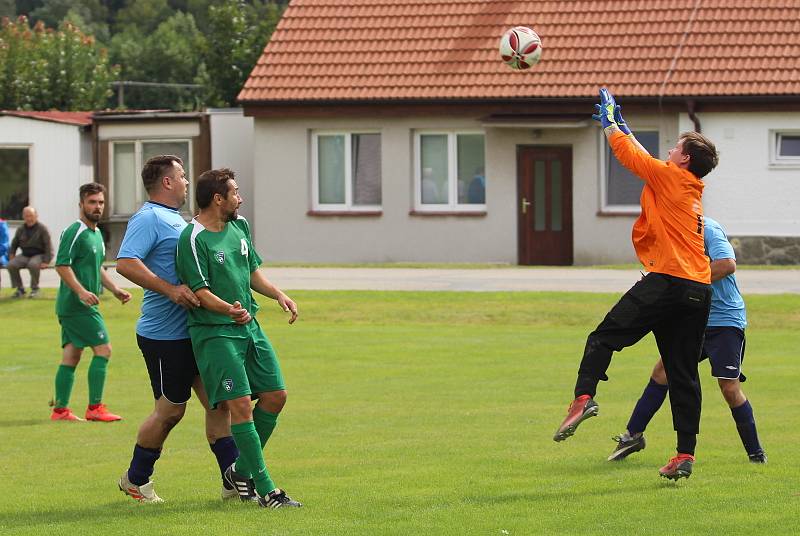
x=647 y=406
x=746 y=425
x=142 y=465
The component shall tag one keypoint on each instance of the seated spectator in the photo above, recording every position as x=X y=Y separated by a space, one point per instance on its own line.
x=33 y=239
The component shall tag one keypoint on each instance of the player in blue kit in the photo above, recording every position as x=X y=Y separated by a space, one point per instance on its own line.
x=147 y=257
x=724 y=347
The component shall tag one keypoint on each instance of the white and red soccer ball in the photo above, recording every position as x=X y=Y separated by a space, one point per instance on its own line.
x=520 y=48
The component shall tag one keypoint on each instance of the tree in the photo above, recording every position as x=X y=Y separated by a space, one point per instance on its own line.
x=237 y=33
x=43 y=69
x=88 y=15
x=144 y=15
x=172 y=53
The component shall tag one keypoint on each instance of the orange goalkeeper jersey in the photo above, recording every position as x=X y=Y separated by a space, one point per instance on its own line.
x=668 y=236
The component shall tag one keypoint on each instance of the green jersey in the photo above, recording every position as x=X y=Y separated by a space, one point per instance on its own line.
x=83 y=250
x=221 y=262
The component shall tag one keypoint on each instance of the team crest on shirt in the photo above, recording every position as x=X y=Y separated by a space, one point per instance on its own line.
x=244 y=247
x=227 y=385
x=220 y=256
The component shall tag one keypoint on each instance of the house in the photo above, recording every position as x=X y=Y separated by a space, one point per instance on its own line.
x=391 y=131
x=44 y=158
x=124 y=140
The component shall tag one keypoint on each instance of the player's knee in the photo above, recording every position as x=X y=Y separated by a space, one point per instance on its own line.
x=240 y=409
x=104 y=350
x=731 y=391
x=659 y=375
x=272 y=401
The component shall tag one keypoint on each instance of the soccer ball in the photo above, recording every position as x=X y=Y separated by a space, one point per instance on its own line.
x=520 y=48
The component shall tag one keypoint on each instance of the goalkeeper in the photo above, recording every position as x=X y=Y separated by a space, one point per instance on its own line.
x=672 y=301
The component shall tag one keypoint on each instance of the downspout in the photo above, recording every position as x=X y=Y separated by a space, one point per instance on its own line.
x=690 y=108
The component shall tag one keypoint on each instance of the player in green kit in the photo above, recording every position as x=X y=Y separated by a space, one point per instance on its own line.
x=216 y=259
x=79 y=264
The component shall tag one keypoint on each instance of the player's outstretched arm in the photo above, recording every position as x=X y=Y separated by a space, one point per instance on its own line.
x=260 y=283
x=722 y=268
x=66 y=274
x=209 y=300
x=121 y=294
x=137 y=272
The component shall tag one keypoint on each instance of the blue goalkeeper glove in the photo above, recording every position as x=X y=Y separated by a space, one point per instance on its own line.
x=623 y=126
x=606 y=110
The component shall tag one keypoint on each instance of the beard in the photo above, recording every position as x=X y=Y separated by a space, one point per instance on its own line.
x=232 y=215
x=93 y=216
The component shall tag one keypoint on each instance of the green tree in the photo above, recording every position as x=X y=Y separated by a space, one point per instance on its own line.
x=237 y=33
x=173 y=53
x=88 y=15
x=144 y=15
x=42 y=68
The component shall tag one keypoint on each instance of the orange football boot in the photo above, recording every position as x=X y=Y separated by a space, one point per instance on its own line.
x=63 y=414
x=100 y=413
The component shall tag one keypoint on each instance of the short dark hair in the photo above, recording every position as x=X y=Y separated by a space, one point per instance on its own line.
x=703 y=156
x=156 y=168
x=213 y=181
x=91 y=188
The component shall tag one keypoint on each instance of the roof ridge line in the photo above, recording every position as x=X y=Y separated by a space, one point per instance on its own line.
x=677 y=55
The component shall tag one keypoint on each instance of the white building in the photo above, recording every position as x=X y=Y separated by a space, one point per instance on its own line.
x=413 y=142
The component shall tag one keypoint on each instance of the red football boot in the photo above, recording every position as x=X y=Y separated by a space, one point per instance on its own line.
x=678 y=467
x=581 y=409
x=63 y=414
x=100 y=413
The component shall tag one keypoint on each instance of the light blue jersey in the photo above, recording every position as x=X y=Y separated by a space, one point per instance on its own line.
x=152 y=237
x=727 y=305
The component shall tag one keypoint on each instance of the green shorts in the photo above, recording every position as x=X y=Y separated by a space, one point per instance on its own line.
x=83 y=331
x=235 y=361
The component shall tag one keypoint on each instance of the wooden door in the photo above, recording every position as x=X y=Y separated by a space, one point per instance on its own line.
x=544 y=205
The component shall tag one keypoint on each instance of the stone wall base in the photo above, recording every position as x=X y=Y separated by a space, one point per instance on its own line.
x=766 y=249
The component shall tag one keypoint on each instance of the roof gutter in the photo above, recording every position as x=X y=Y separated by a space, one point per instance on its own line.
x=690 y=108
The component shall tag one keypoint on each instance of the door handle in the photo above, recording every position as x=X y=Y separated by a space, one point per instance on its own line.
x=525 y=205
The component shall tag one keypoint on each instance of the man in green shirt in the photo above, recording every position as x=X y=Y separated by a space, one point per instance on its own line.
x=217 y=260
x=79 y=264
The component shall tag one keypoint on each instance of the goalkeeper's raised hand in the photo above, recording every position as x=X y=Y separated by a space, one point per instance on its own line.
x=606 y=112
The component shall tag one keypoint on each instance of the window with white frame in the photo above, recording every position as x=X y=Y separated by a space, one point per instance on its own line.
x=450 y=171
x=127 y=159
x=621 y=188
x=786 y=148
x=14 y=170
x=346 y=171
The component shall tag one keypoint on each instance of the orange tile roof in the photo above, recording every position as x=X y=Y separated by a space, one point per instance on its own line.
x=81 y=119
x=447 y=49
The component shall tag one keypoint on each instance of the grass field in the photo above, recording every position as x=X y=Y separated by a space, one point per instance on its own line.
x=408 y=413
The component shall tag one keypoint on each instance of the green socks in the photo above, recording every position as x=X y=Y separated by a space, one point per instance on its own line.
x=251 y=459
x=65 y=377
x=97 y=379
x=265 y=423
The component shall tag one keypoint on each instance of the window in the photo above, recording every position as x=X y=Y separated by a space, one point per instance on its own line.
x=449 y=171
x=346 y=171
x=786 y=148
x=621 y=188
x=14 y=182
x=127 y=160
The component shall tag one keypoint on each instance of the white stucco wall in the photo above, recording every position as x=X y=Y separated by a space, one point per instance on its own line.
x=285 y=232
x=232 y=147
x=746 y=194
x=282 y=199
x=56 y=167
